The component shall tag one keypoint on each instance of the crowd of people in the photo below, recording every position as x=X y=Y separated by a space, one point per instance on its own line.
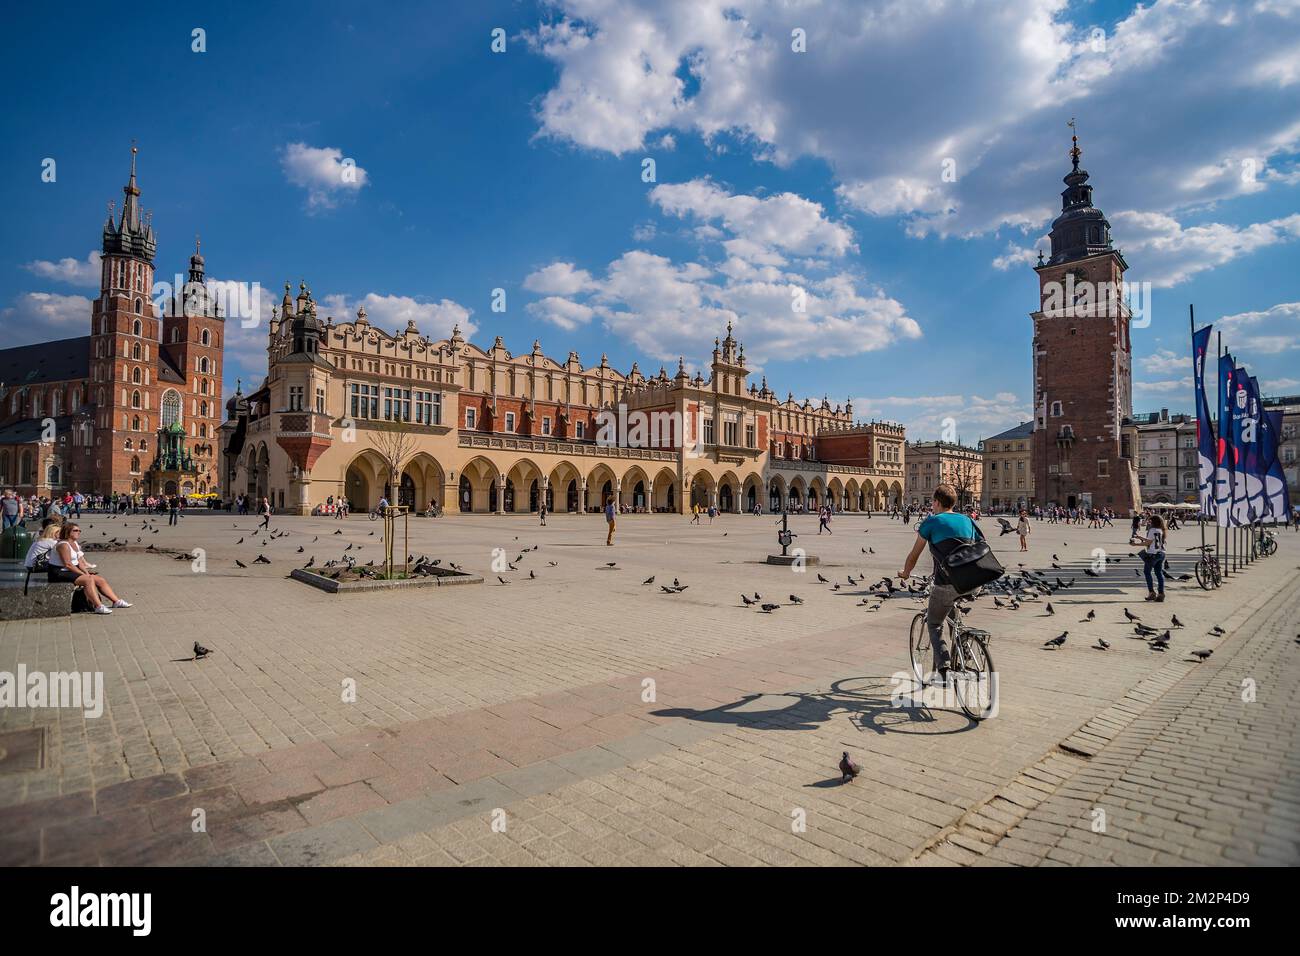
x=17 y=508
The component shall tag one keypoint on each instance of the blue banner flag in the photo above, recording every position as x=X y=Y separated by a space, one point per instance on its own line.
x=1205 y=451
x=1225 y=459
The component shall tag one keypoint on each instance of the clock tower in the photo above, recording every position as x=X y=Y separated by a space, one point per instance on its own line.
x=1083 y=384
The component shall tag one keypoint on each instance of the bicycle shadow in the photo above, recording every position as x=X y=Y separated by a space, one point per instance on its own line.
x=876 y=704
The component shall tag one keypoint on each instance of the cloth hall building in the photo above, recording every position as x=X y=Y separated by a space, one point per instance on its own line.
x=349 y=409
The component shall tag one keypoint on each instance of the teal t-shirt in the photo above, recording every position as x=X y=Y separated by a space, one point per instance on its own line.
x=945 y=525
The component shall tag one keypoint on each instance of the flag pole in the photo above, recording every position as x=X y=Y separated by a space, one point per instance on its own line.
x=1191 y=319
x=1224 y=555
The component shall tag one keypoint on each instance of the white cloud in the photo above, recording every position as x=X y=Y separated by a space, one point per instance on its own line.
x=984 y=85
x=972 y=418
x=69 y=270
x=1278 y=385
x=392 y=313
x=785 y=222
x=561 y=312
x=559 y=278
x=324 y=172
x=1169 y=253
x=41 y=316
x=1170 y=385
x=1165 y=362
x=1017 y=256
x=1283 y=311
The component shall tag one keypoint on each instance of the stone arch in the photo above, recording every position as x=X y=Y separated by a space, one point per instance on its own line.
x=702 y=490
x=363 y=480
x=852 y=495
x=776 y=494
x=835 y=494
x=881 y=493
x=427 y=480
x=524 y=481
x=896 y=493
x=635 y=489
x=816 y=493
x=600 y=484
x=797 y=493
x=751 y=493
x=565 y=486
x=665 y=493
x=728 y=493
x=477 y=490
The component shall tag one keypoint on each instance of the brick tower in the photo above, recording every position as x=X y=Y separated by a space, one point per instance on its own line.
x=191 y=345
x=1083 y=386
x=123 y=348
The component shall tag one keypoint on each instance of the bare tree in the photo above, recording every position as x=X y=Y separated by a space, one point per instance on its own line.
x=394 y=442
x=965 y=476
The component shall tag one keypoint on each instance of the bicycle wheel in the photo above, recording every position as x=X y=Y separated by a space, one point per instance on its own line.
x=1204 y=576
x=918 y=646
x=1216 y=573
x=974 y=682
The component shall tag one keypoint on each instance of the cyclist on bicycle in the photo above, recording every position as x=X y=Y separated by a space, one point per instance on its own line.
x=943 y=525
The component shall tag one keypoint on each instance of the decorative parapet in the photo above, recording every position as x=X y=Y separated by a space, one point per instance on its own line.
x=547 y=447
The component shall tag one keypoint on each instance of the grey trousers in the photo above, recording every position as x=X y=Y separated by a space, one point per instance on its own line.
x=942 y=599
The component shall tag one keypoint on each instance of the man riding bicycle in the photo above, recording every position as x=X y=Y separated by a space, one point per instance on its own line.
x=943 y=525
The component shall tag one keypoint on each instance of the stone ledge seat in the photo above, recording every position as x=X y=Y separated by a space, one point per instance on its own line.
x=43 y=598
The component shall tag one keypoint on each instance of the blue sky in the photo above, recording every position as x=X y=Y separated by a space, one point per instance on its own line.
x=821 y=170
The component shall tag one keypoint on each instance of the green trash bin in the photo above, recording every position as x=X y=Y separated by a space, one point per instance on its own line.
x=15 y=542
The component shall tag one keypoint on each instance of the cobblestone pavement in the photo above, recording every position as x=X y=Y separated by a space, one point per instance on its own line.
x=583 y=717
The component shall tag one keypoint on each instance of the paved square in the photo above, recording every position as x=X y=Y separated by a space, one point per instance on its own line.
x=578 y=716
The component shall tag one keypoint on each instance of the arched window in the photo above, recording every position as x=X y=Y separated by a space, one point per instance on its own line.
x=139 y=307
x=135 y=376
x=176 y=334
x=171 y=407
x=135 y=423
x=203 y=429
x=206 y=337
x=135 y=464
x=36 y=406
x=135 y=351
x=128 y=446
x=135 y=398
x=99 y=396
x=203 y=365
x=136 y=326
x=203 y=409
x=203 y=386
x=144 y=444
x=74 y=401
x=55 y=410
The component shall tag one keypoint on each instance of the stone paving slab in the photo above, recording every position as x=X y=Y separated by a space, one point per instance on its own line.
x=529 y=700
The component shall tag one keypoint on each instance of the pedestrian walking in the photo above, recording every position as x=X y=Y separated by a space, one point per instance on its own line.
x=610 y=514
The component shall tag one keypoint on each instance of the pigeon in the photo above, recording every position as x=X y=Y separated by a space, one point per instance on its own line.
x=240 y=541
x=1091 y=573
x=649 y=580
x=1144 y=630
x=1103 y=645
x=795 y=599
x=1092 y=615
x=1130 y=615
x=240 y=563
x=502 y=580
x=310 y=563
x=338 y=532
x=261 y=559
x=678 y=584
x=822 y=579
x=1007 y=527
x=611 y=564
x=1057 y=641
x=757 y=596
x=200 y=651
x=747 y=600
x=848 y=769
x=1217 y=631
x=1050 y=609
x=532 y=575
x=552 y=564
x=769 y=608
x=1202 y=656
x=1056 y=557
x=301 y=549
x=997 y=603
x=673 y=590
x=1175 y=622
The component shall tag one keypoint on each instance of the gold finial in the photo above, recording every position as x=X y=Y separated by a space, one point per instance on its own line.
x=1074 y=142
x=198 y=244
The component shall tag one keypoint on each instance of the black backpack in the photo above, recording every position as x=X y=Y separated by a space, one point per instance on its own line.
x=965 y=564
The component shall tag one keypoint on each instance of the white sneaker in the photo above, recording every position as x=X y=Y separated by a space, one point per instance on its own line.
x=103 y=609
x=120 y=603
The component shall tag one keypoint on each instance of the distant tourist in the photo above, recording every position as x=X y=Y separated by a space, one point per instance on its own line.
x=1022 y=529
x=610 y=514
x=265 y=512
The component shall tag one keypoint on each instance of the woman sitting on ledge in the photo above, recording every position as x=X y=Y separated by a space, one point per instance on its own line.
x=68 y=563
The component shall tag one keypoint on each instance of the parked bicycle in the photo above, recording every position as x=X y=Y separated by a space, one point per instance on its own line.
x=1208 y=574
x=970 y=666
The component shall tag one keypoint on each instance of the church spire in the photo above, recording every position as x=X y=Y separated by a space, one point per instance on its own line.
x=129 y=236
